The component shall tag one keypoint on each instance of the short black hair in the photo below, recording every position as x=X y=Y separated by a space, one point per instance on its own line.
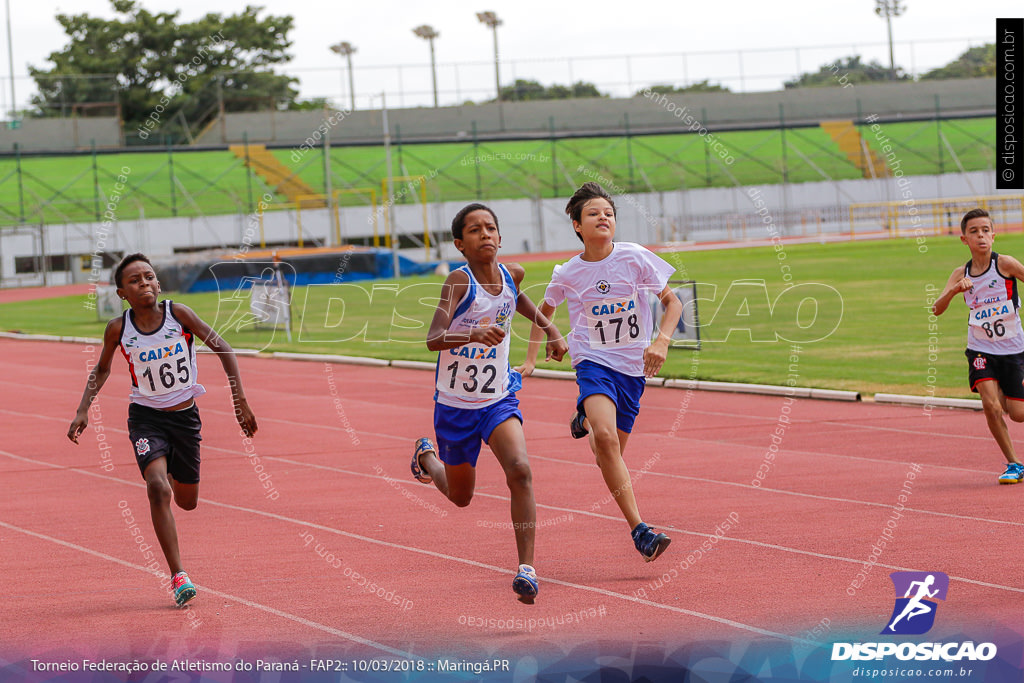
x=127 y=261
x=460 y=218
x=974 y=213
x=586 y=192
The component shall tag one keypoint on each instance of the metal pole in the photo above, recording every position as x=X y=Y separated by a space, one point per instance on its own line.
x=433 y=70
x=327 y=188
x=497 y=81
x=10 y=59
x=391 y=186
x=351 y=84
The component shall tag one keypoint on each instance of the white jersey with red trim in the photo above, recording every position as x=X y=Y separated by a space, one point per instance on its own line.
x=993 y=323
x=475 y=375
x=162 y=363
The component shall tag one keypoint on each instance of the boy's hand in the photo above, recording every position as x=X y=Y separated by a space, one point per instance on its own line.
x=654 y=355
x=964 y=285
x=555 y=349
x=526 y=369
x=246 y=420
x=78 y=426
x=488 y=336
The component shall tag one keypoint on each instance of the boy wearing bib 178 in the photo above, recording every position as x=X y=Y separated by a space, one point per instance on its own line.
x=475 y=388
x=995 y=340
x=606 y=290
x=157 y=338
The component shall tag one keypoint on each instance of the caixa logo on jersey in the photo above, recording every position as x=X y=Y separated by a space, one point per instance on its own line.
x=916 y=606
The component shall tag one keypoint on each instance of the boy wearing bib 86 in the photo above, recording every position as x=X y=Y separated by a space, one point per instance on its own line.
x=475 y=388
x=606 y=290
x=995 y=340
x=157 y=339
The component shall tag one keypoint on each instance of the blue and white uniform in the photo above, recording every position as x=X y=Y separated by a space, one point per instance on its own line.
x=474 y=385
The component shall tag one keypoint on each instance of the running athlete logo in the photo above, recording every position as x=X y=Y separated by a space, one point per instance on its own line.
x=142 y=446
x=914 y=612
x=979 y=363
x=603 y=286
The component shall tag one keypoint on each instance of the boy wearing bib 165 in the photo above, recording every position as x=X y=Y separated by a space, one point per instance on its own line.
x=475 y=387
x=157 y=338
x=995 y=340
x=606 y=290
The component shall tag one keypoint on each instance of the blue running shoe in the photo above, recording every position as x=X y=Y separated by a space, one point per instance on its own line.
x=525 y=584
x=576 y=427
x=423 y=445
x=1013 y=474
x=650 y=543
x=183 y=588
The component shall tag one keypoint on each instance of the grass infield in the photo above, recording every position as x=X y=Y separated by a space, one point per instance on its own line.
x=858 y=312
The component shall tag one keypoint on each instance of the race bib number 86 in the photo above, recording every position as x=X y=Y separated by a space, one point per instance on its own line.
x=994 y=322
x=612 y=322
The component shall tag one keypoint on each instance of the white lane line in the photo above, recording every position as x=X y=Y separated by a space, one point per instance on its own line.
x=206 y=589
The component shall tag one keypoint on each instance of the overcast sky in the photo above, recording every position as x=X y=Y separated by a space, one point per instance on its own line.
x=538 y=39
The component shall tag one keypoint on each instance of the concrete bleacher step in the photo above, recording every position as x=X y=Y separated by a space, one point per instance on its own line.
x=850 y=142
x=277 y=175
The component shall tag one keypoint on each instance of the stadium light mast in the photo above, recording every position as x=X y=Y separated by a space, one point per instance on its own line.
x=345 y=50
x=887 y=9
x=491 y=19
x=10 y=60
x=428 y=34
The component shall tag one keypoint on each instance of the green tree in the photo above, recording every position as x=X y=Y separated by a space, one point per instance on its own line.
x=846 y=71
x=161 y=70
x=977 y=62
x=527 y=90
x=702 y=86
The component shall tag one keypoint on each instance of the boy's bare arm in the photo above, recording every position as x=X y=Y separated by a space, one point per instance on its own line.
x=556 y=348
x=97 y=378
x=958 y=282
x=439 y=337
x=243 y=413
x=657 y=352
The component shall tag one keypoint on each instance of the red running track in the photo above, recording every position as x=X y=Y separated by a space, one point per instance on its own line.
x=334 y=444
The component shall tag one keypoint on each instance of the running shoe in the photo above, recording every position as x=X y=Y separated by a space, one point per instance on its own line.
x=423 y=445
x=648 y=542
x=183 y=588
x=525 y=584
x=1013 y=474
x=576 y=427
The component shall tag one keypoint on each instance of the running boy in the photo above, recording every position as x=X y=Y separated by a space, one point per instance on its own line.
x=995 y=341
x=606 y=289
x=157 y=338
x=475 y=388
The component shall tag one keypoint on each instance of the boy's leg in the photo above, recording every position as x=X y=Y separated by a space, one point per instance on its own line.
x=455 y=482
x=160 y=493
x=607 y=446
x=186 y=496
x=992 y=400
x=509 y=446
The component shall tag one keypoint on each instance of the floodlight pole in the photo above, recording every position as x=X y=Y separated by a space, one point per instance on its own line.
x=491 y=19
x=887 y=9
x=428 y=33
x=10 y=60
x=345 y=50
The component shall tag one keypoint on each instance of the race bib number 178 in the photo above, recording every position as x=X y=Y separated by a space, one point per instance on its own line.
x=612 y=322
